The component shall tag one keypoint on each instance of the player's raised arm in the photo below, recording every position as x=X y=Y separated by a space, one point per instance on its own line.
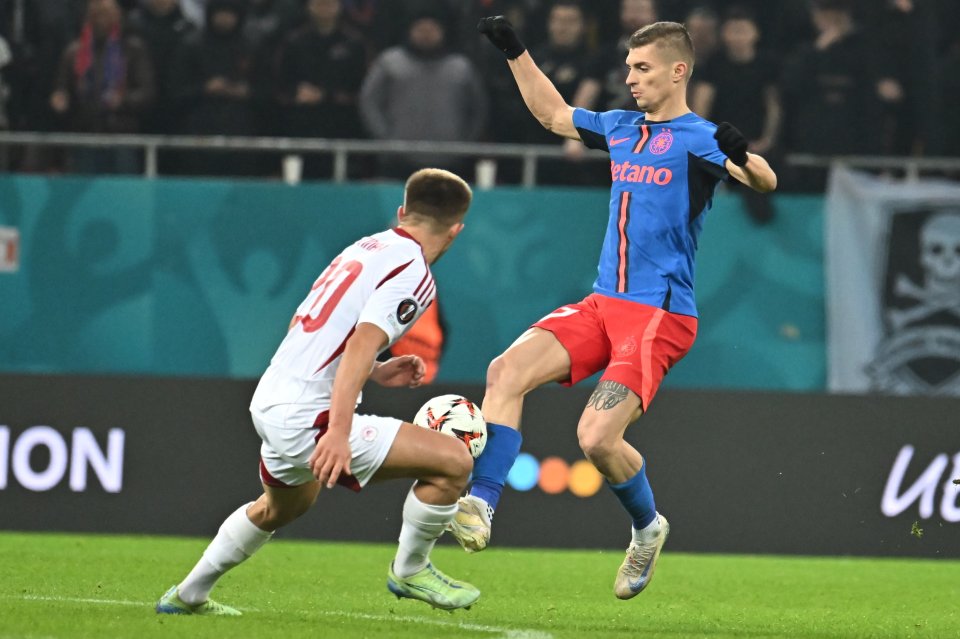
x=541 y=97
x=748 y=168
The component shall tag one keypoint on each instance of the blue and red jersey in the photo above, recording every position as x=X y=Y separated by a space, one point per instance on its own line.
x=663 y=178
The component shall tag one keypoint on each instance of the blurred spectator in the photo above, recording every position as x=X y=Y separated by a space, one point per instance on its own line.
x=381 y=22
x=422 y=91
x=902 y=32
x=268 y=21
x=104 y=85
x=212 y=86
x=739 y=85
x=195 y=11
x=265 y=25
x=950 y=101
x=702 y=23
x=163 y=27
x=829 y=93
x=19 y=34
x=320 y=68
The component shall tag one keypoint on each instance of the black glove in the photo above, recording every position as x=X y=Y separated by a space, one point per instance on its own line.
x=500 y=32
x=732 y=143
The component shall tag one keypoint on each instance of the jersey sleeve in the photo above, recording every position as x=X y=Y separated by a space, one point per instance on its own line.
x=704 y=147
x=399 y=299
x=592 y=127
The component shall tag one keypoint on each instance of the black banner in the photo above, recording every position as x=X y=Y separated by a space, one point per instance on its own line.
x=732 y=471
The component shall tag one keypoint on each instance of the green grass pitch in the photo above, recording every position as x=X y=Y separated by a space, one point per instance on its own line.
x=65 y=586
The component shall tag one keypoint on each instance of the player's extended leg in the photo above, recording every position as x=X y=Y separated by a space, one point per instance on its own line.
x=242 y=534
x=536 y=358
x=441 y=465
x=610 y=409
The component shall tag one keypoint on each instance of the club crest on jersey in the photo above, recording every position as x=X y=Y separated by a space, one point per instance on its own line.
x=661 y=142
x=406 y=311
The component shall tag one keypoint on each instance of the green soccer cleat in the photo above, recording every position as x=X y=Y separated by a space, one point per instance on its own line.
x=171 y=604
x=471 y=525
x=434 y=587
x=637 y=568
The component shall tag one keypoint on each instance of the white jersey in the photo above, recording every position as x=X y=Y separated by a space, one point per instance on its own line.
x=382 y=279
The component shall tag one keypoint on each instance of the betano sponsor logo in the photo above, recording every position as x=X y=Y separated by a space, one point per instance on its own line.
x=40 y=457
x=627 y=172
x=897 y=499
x=554 y=475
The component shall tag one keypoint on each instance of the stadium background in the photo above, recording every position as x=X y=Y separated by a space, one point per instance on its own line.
x=146 y=307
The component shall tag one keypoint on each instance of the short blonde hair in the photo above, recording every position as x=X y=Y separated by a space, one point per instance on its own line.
x=437 y=196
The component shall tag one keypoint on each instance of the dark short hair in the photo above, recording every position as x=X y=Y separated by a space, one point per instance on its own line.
x=437 y=196
x=833 y=5
x=739 y=12
x=570 y=4
x=666 y=35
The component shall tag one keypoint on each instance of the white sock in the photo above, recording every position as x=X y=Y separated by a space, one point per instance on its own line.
x=650 y=531
x=422 y=526
x=237 y=539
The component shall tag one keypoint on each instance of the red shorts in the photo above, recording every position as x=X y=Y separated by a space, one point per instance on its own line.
x=636 y=344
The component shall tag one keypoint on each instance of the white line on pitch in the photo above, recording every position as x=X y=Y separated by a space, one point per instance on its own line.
x=505 y=632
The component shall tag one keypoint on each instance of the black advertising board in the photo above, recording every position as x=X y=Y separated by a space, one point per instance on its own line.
x=733 y=471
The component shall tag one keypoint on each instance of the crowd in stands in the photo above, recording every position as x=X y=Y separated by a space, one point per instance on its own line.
x=810 y=76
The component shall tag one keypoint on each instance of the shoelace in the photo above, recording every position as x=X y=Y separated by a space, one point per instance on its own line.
x=638 y=555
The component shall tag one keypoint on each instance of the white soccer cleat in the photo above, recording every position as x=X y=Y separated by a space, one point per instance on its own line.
x=637 y=568
x=471 y=525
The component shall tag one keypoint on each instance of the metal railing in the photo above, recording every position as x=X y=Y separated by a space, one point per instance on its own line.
x=341 y=150
x=911 y=166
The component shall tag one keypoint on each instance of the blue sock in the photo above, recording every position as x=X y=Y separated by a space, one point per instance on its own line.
x=494 y=463
x=637 y=498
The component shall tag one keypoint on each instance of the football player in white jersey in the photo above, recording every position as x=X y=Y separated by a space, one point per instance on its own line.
x=304 y=406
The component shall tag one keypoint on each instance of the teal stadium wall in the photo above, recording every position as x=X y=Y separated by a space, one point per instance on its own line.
x=190 y=277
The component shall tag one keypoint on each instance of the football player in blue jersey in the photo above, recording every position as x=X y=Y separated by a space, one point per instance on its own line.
x=665 y=162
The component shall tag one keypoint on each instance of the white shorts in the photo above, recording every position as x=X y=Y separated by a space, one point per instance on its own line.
x=285 y=452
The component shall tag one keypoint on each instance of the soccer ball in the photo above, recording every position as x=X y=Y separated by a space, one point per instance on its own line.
x=455 y=416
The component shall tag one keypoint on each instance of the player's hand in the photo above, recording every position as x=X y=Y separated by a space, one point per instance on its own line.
x=732 y=143
x=331 y=457
x=406 y=370
x=500 y=32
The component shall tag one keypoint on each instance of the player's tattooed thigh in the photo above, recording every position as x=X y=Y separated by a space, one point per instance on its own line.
x=607 y=395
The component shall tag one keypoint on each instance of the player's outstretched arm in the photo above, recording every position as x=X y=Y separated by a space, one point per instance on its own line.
x=748 y=168
x=541 y=97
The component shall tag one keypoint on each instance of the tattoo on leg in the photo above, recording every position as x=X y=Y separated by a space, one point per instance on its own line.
x=607 y=395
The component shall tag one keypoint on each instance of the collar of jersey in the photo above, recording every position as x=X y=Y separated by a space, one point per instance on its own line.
x=399 y=231
x=645 y=121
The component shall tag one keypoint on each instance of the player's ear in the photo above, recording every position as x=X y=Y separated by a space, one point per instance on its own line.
x=401 y=213
x=455 y=229
x=680 y=71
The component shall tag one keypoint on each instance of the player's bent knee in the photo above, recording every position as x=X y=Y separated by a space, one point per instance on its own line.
x=280 y=508
x=454 y=467
x=506 y=376
x=596 y=444
x=461 y=465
